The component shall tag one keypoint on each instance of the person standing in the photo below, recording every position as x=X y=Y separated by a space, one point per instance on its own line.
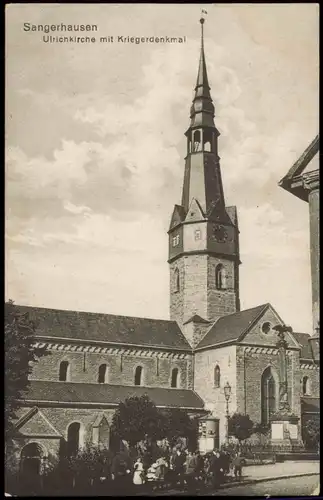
x=200 y=470
x=121 y=472
x=138 y=475
x=215 y=469
x=190 y=471
x=178 y=465
x=237 y=464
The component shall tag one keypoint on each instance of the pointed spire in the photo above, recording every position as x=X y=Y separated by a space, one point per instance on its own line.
x=202 y=85
x=202 y=109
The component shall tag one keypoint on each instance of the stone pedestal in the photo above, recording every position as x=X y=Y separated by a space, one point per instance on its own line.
x=284 y=431
x=208 y=434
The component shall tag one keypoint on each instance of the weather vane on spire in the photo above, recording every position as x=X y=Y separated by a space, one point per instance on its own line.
x=203 y=14
x=202 y=20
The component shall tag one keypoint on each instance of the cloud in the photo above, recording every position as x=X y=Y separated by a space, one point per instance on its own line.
x=74 y=209
x=268 y=237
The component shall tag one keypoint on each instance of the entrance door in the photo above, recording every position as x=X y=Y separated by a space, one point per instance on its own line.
x=30 y=467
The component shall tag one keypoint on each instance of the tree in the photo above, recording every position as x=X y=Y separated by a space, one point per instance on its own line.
x=240 y=426
x=311 y=433
x=20 y=354
x=178 y=424
x=136 y=419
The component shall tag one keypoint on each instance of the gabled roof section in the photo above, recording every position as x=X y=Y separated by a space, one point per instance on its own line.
x=302 y=340
x=300 y=165
x=298 y=169
x=178 y=216
x=196 y=319
x=35 y=419
x=232 y=213
x=100 y=420
x=232 y=327
x=106 y=394
x=195 y=212
x=218 y=213
x=125 y=330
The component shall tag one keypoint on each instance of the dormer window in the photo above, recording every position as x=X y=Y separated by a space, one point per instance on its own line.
x=197 y=234
x=176 y=240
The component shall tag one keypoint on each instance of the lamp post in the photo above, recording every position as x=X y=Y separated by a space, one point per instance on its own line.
x=227 y=394
x=314 y=343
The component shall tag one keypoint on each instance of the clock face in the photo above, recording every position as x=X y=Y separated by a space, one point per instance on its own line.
x=219 y=233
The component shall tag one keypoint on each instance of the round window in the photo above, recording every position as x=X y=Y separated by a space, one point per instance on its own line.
x=265 y=328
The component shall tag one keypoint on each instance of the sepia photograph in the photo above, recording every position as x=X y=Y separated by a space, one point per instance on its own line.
x=162 y=302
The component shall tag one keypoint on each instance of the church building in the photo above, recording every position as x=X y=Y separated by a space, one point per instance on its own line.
x=209 y=343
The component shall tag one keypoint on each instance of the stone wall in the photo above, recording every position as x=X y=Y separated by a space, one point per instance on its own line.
x=251 y=363
x=205 y=363
x=198 y=293
x=177 y=296
x=121 y=368
x=222 y=302
x=313 y=373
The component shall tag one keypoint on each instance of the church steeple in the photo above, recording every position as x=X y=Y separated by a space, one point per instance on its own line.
x=203 y=233
x=202 y=179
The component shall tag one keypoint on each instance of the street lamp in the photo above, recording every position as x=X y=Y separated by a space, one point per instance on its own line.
x=314 y=343
x=227 y=394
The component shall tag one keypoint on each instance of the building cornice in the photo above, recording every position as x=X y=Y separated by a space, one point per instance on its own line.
x=262 y=349
x=308 y=365
x=94 y=347
x=234 y=258
x=42 y=403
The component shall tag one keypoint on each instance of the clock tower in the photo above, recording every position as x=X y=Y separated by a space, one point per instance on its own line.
x=203 y=234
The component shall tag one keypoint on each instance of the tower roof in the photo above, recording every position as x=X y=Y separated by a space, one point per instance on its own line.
x=202 y=84
x=202 y=109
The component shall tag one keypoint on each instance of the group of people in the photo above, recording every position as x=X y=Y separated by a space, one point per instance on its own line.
x=188 y=469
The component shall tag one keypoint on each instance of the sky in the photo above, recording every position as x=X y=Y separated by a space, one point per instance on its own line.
x=95 y=150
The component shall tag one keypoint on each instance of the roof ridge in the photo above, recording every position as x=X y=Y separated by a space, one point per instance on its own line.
x=301 y=163
x=95 y=313
x=243 y=310
x=257 y=311
x=262 y=309
x=96 y=384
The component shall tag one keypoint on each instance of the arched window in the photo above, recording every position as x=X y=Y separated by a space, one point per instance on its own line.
x=177 y=280
x=217 y=376
x=101 y=432
x=138 y=375
x=306 y=386
x=197 y=141
x=31 y=461
x=102 y=374
x=268 y=395
x=220 y=278
x=174 y=381
x=64 y=371
x=207 y=140
x=189 y=145
x=73 y=438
